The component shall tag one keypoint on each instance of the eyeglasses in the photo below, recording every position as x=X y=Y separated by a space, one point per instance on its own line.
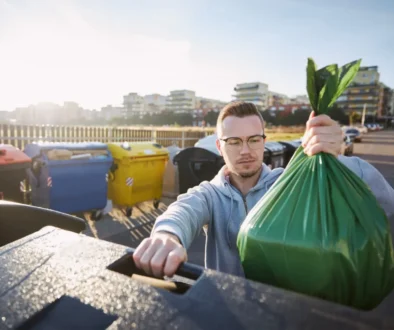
x=236 y=143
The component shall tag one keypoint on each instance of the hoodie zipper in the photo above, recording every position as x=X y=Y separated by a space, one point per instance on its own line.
x=246 y=205
x=244 y=201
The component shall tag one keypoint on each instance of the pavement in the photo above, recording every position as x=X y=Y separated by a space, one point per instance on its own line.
x=376 y=147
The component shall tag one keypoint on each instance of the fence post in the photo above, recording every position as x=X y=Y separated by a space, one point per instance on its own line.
x=110 y=131
x=154 y=135
x=183 y=139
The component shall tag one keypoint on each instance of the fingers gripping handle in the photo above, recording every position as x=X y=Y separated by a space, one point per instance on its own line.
x=186 y=270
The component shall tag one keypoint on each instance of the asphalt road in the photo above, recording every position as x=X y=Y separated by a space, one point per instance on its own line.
x=376 y=148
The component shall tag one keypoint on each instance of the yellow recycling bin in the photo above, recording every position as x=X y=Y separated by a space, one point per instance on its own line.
x=137 y=174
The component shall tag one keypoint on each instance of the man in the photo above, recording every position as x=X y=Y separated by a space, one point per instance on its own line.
x=220 y=206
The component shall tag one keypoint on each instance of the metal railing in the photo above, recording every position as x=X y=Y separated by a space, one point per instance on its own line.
x=184 y=137
x=21 y=135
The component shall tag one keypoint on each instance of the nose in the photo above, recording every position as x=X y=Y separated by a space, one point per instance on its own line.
x=245 y=148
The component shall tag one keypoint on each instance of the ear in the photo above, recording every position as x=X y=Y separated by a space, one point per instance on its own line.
x=218 y=146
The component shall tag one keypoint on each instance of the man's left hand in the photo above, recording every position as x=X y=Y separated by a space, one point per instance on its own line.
x=322 y=134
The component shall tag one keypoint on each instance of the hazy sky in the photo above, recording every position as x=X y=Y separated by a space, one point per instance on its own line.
x=95 y=51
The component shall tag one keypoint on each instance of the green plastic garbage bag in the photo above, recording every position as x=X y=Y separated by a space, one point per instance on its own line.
x=319 y=230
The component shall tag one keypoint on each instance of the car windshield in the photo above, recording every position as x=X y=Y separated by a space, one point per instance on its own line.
x=352 y=131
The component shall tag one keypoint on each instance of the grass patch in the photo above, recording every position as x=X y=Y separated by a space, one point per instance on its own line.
x=283 y=136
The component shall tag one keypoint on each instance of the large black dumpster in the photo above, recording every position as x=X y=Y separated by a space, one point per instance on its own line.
x=275 y=154
x=13 y=166
x=196 y=165
x=56 y=279
x=266 y=159
x=290 y=148
x=19 y=220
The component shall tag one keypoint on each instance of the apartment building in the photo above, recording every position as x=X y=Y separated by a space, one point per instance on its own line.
x=181 y=101
x=391 y=112
x=255 y=92
x=299 y=99
x=367 y=91
x=155 y=103
x=110 y=112
x=134 y=104
x=277 y=99
x=206 y=103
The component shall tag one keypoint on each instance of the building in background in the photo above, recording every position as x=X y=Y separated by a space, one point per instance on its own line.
x=91 y=116
x=287 y=109
x=277 y=99
x=155 y=103
x=203 y=107
x=109 y=112
x=204 y=103
x=198 y=117
x=255 y=92
x=5 y=116
x=72 y=112
x=41 y=113
x=367 y=91
x=387 y=100
x=180 y=101
x=392 y=104
x=299 y=99
x=134 y=104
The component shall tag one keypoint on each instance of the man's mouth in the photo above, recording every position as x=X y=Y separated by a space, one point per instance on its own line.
x=246 y=161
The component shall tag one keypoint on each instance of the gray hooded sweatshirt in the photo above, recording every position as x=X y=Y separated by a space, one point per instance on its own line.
x=220 y=209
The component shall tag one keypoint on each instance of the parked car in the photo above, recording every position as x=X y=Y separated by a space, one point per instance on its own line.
x=347 y=146
x=354 y=134
x=362 y=129
x=374 y=127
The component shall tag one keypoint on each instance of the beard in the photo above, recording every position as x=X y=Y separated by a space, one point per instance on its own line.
x=249 y=174
x=246 y=172
x=245 y=168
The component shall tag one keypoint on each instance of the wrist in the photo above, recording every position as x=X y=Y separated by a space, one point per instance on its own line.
x=166 y=233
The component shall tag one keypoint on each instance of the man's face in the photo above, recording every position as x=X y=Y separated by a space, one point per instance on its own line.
x=242 y=158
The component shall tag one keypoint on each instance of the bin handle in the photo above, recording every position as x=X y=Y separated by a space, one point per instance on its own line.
x=111 y=176
x=187 y=270
x=36 y=166
x=112 y=170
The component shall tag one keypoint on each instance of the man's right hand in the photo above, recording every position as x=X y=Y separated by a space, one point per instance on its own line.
x=160 y=255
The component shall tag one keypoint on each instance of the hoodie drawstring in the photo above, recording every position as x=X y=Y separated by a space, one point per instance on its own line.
x=229 y=217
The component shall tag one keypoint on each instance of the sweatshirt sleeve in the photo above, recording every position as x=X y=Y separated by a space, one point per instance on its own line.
x=187 y=215
x=379 y=186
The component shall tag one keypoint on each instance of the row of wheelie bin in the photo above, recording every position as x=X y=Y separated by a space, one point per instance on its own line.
x=203 y=161
x=81 y=177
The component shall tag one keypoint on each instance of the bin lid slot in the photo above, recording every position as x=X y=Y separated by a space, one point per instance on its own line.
x=133 y=150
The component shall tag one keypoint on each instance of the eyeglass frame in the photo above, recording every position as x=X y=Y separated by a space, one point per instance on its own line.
x=247 y=141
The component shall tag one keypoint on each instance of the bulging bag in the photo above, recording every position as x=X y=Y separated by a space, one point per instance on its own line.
x=319 y=230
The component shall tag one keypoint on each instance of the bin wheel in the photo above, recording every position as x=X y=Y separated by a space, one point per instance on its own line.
x=96 y=215
x=156 y=204
x=129 y=212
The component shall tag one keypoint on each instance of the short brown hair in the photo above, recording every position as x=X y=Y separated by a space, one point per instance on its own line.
x=238 y=109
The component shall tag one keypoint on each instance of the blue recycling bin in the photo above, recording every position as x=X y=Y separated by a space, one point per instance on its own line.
x=69 y=178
